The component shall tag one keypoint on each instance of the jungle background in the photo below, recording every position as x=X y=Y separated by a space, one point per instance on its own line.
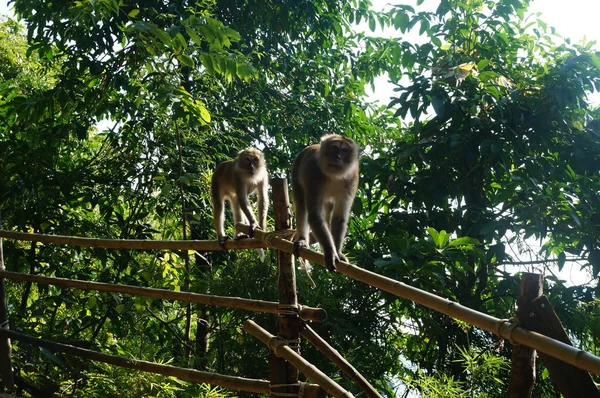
x=485 y=158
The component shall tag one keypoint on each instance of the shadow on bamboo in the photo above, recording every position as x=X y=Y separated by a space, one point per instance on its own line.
x=502 y=327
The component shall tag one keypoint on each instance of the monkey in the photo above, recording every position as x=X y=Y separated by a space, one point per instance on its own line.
x=235 y=180
x=324 y=184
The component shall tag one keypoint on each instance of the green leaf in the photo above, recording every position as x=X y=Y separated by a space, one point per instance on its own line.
x=186 y=60
x=207 y=62
x=562 y=257
x=133 y=13
x=50 y=355
x=372 y=23
x=463 y=241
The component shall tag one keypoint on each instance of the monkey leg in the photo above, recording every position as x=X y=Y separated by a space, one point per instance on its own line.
x=339 y=226
x=321 y=231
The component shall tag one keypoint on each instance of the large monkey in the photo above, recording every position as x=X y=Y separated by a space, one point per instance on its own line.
x=234 y=180
x=324 y=184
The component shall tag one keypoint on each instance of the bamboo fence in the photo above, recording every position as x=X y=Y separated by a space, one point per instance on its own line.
x=280 y=348
x=308 y=313
x=320 y=344
x=233 y=382
x=504 y=328
x=137 y=244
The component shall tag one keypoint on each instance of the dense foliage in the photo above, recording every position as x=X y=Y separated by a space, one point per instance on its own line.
x=485 y=159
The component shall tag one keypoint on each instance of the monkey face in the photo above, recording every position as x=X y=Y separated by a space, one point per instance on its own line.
x=337 y=154
x=251 y=160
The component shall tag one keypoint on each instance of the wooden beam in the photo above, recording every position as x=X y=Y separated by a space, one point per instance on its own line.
x=309 y=313
x=569 y=380
x=340 y=361
x=522 y=374
x=138 y=244
x=282 y=373
x=8 y=382
x=502 y=327
x=281 y=349
x=232 y=382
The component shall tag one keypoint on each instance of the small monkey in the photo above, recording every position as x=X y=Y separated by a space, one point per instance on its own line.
x=324 y=184
x=235 y=180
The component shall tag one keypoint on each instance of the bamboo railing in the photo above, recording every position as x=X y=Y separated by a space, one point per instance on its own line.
x=138 y=244
x=233 y=382
x=504 y=328
x=280 y=348
x=307 y=313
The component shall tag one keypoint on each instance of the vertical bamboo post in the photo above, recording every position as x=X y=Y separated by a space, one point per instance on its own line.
x=8 y=383
x=281 y=372
x=522 y=374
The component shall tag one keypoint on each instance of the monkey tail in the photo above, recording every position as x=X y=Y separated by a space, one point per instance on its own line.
x=261 y=255
x=304 y=264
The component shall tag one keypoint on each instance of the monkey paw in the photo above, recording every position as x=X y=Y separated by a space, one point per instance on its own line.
x=330 y=261
x=342 y=257
x=299 y=244
x=222 y=239
x=241 y=235
x=252 y=228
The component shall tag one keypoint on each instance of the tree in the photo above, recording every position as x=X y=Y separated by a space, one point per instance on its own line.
x=502 y=159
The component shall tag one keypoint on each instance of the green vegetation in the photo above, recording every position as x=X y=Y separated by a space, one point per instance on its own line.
x=488 y=145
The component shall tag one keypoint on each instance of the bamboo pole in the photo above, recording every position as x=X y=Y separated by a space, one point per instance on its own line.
x=523 y=369
x=281 y=349
x=502 y=327
x=340 y=361
x=281 y=372
x=232 y=382
x=139 y=244
x=309 y=313
x=8 y=382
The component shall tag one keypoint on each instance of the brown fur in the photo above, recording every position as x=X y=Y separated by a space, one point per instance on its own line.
x=324 y=184
x=234 y=180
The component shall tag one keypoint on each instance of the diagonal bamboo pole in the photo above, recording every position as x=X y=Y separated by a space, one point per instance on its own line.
x=197 y=376
x=140 y=244
x=504 y=328
x=280 y=348
x=232 y=382
x=339 y=360
x=315 y=314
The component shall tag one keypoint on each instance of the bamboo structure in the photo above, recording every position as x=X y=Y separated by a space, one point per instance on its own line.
x=138 y=244
x=282 y=373
x=8 y=382
x=308 y=313
x=522 y=372
x=331 y=353
x=233 y=382
x=502 y=327
x=281 y=349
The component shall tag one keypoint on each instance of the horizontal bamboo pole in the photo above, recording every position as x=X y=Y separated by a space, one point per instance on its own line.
x=345 y=366
x=502 y=327
x=282 y=350
x=232 y=382
x=139 y=244
x=309 y=313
